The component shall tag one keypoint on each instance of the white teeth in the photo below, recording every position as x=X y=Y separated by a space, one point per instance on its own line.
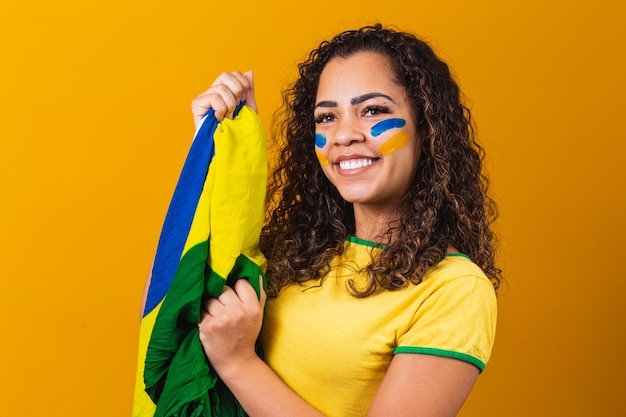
x=355 y=163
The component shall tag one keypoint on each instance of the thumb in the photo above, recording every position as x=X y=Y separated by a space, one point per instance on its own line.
x=250 y=99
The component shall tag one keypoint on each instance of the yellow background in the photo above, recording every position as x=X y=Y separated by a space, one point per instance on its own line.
x=95 y=125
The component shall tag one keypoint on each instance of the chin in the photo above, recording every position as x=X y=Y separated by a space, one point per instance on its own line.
x=355 y=199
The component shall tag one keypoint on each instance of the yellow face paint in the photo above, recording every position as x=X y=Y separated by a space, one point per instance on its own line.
x=321 y=157
x=397 y=141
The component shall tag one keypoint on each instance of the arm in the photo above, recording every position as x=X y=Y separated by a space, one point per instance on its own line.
x=229 y=327
x=414 y=385
x=262 y=393
x=423 y=385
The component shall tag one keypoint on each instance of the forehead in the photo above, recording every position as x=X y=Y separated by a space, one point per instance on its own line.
x=357 y=74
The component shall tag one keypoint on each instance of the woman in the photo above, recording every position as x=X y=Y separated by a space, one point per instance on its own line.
x=381 y=274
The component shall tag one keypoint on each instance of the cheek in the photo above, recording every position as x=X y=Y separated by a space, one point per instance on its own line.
x=320 y=145
x=390 y=144
x=395 y=142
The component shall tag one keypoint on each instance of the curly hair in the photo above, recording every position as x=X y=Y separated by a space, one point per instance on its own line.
x=446 y=204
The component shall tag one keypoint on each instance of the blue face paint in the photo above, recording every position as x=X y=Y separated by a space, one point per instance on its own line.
x=320 y=140
x=387 y=124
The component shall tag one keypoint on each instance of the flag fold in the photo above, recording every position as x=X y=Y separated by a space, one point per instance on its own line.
x=210 y=237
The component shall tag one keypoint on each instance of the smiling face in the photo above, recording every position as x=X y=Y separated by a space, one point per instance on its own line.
x=365 y=134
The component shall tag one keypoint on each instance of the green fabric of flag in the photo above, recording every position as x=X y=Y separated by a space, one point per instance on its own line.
x=218 y=247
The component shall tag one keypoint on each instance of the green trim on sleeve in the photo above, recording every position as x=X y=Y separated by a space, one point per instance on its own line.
x=442 y=352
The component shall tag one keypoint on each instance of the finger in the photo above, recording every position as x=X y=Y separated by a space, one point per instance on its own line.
x=223 y=96
x=233 y=80
x=199 y=106
x=216 y=305
x=203 y=103
x=233 y=83
x=246 y=80
x=240 y=80
x=204 y=317
x=225 y=102
x=250 y=97
x=211 y=306
x=229 y=298
x=246 y=292
x=219 y=98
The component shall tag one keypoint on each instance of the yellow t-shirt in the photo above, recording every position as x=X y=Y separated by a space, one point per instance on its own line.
x=333 y=349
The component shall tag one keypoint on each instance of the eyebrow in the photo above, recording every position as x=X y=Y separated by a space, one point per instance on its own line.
x=354 y=100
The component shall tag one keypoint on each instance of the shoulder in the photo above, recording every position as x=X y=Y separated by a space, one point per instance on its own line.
x=456 y=315
x=457 y=270
x=457 y=286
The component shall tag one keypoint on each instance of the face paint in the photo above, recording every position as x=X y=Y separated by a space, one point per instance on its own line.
x=320 y=142
x=322 y=158
x=385 y=125
x=397 y=141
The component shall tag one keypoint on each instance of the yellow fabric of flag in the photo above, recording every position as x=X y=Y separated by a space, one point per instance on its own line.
x=210 y=237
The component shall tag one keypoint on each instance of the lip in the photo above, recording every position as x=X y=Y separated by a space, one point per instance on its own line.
x=353 y=156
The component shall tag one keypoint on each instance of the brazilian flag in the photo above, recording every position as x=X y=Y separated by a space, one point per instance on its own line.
x=210 y=236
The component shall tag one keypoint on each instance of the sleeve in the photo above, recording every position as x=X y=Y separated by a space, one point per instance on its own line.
x=457 y=320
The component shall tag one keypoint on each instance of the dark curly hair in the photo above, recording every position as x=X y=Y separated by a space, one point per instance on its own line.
x=447 y=203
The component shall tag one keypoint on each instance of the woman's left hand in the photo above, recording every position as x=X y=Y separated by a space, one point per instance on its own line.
x=230 y=325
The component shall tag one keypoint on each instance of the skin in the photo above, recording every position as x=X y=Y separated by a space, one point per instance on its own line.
x=354 y=95
x=414 y=385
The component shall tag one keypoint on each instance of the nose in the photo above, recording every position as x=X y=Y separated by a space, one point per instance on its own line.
x=347 y=132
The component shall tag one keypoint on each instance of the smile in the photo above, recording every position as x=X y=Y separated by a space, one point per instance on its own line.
x=355 y=163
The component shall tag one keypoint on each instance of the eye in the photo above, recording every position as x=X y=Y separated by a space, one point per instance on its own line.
x=375 y=110
x=324 y=118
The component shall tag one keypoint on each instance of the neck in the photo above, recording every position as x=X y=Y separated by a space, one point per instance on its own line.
x=373 y=224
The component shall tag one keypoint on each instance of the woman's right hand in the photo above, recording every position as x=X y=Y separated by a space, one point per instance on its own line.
x=228 y=90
